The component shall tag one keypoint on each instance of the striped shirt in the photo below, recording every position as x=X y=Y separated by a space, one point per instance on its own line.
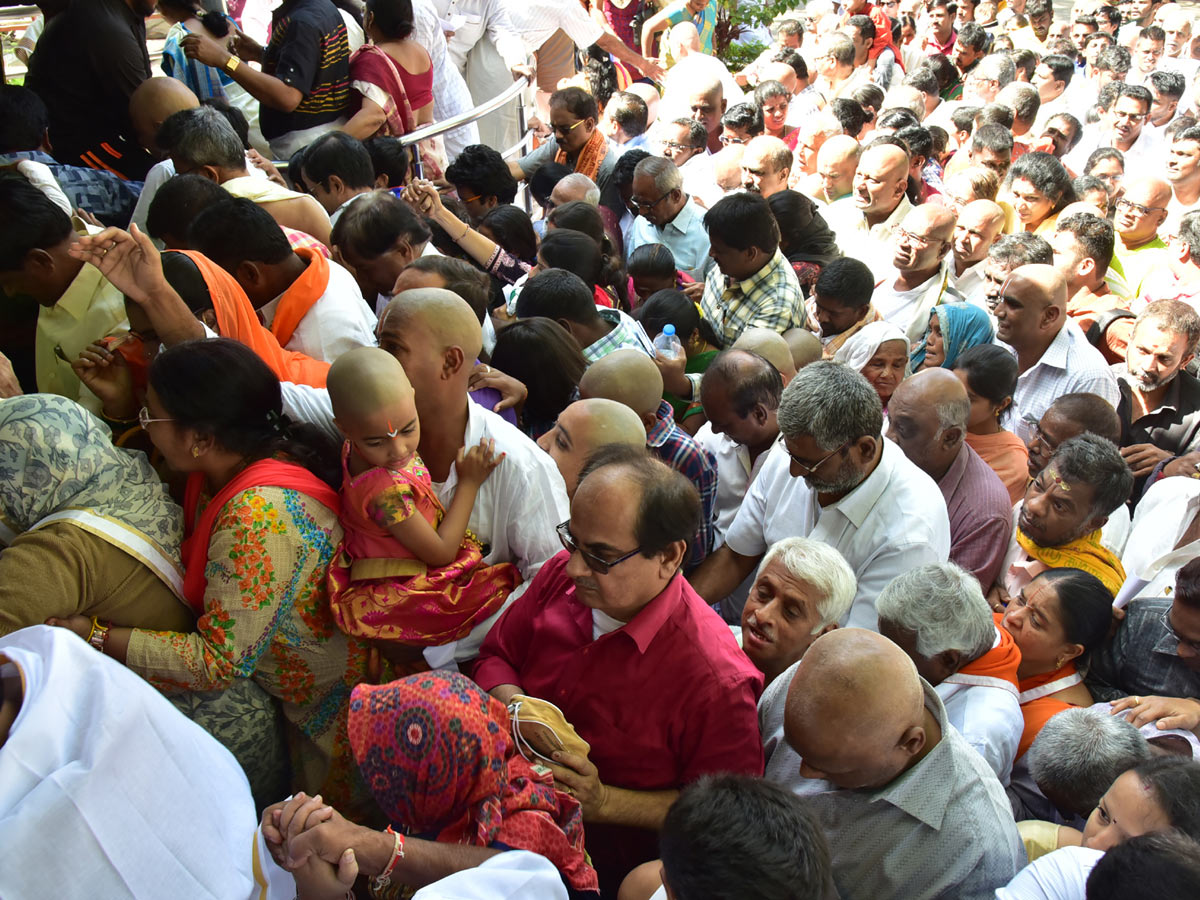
x=309 y=51
x=627 y=334
x=679 y=450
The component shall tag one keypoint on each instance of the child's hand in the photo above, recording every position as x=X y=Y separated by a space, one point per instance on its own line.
x=474 y=465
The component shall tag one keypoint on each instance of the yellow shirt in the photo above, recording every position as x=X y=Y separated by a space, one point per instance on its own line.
x=1139 y=262
x=1038 y=837
x=88 y=310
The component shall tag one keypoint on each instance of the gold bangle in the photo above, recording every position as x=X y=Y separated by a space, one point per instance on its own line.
x=231 y=65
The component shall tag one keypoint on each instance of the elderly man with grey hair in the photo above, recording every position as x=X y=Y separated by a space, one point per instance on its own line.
x=668 y=215
x=1075 y=758
x=835 y=479
x=938 y=616
x=575 y=186
x=927 y=418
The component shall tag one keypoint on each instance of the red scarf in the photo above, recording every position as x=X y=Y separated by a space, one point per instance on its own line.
x=264 y=473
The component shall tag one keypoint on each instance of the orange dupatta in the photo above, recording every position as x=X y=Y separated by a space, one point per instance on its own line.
x=237 y=319
x=303 y=294
x=590 y=156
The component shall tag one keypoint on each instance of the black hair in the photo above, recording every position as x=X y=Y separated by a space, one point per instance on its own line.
x=672 y=307
x=221 y=388
x=1048 y=176
x=996 y=114
x=213 y=20
x=870 y=97
x=1159 y=865
x=1095 y=236
x=512 y=229
x=391 y=158
x=846 y=282
x=1073 y=123
x=1110 y=13
x=973 y=35
x=28 y=221
x=576 y=101
x=393 y=18
x=669 y=504
x=1085 y=183
x=924 y=79
x=1169 y=84
x=622 y=175
x=237 y=231
x=1138 y=92
x=1187 y=584
x=557 y=294
x=768 y=89
x=543 y=356
x=629 y=112
x=745 y=117
x=574 y=251
x=793 y=59
x=1023 y=248
x=373 y=223
x=652 y=260
x=1038 y=8
x=794 y=213
x=185 y=278
x=1100 y=154
x=725 y=832
x=177 y=204
x=919 y=140
x=991 y=372
x=1175 y=784
x=964 y=118
x=483 y=172
x=850 y=115
x=337 y=153
x=1061 y=67
x=23 y=119
x=896 y=117
x=547 y=175
x=294 y=170
x=601 y=75
x=1084 y=606
x=1114 y=59
x=747 y=389
x=461 y=278
x=581 y=216
x=1089 y=412
x=742 y=221
x=866 y=28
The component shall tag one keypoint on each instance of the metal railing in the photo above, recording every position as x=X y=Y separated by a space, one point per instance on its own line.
x=471 y=115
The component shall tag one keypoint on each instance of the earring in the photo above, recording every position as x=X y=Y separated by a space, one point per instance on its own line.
x=195 y=450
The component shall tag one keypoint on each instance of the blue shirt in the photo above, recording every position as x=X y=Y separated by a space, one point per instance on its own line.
x=685 y=236
x=103 y=194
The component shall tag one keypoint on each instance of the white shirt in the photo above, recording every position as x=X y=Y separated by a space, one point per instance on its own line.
x=450 y=93
x=909 y=310
x=537 y=20
x=1061 y=875
x=1146 y=153
x=870 y=244
x=1151 y=559
x=516 y=510
x=1069 y=365
x=972 y=285
x=470 y=20
x=339 y=321
x=700 y=180
x=987 y=714
x=894 y=521
x=734 y=475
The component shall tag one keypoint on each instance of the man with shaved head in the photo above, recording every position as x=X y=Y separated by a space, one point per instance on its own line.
x=1053 y=356
x=740 y=392
x=837 y=161
x=630 y=377
x=814 y=132
x=766 y=165
x=979 y=223
x=437 y=338
x=920 y=248
x=866 y=221
x=806 y=347
x=771 y=346
x=909 y=807
x=1141 y=212
x=930 y=426
x=583 y=428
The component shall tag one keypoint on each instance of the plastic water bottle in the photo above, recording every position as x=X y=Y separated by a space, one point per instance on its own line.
x=667 y=345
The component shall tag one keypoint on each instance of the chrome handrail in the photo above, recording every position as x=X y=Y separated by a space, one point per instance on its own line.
x=468 y=116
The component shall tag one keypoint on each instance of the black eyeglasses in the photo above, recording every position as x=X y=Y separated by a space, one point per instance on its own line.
x=595 y=563
x=1137 y=207
x=642 y=207
x=807 y=470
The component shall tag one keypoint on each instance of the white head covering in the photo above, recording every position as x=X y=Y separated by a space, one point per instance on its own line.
x=515 y=875
x=100 y=772
x=864 y=344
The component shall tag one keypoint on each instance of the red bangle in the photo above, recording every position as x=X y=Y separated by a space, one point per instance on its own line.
x=384 y=878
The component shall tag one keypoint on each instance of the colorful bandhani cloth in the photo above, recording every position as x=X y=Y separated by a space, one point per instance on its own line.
x=1086 y=553
x=437 y=753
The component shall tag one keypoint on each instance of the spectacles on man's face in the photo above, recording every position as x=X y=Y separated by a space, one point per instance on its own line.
x=676 y=146
x=645 y=207
x=807 y=470
x=593 y=562
x=1137 y=207
x=1040 y=437
x=726 y=140
x=145 y=420
x=561 y=131
x=917 y=240
x=1193 y=646
x=1131 y=117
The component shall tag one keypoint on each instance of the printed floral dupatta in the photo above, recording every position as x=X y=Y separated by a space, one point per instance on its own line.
x=372 y=67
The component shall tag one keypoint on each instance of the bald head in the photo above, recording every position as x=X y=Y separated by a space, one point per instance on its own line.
x=881 y=179
x=979 y=224
x=836 y=161
x=575 y=186
x=727 y=166
x=1135 y=227
x=626 y=376
x=779 y=71
x=934 y=220
x=363 y=381
x=805 y=346
x=153 y=101
x=940 y=392
x=928 y=414
x=684 y=40
x=855 y=710
x=766 y=165
x=1080 y=206
x=771 y=346
x=584 y=427
x=440 y=316
x=838 y=148
x=1038 y=286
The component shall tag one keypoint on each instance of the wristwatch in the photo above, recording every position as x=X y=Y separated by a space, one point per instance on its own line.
x=231 y=65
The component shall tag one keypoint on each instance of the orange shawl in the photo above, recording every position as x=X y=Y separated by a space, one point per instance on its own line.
x=1038 y=705
x=590 y=156
x=237 y=319
x=1001 y=662
x=1084 y=553
x=303 y=294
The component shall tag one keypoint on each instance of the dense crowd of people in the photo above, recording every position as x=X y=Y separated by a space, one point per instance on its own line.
x=780 y=482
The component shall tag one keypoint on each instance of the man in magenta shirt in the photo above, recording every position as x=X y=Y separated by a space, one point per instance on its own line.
x=648 y=674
